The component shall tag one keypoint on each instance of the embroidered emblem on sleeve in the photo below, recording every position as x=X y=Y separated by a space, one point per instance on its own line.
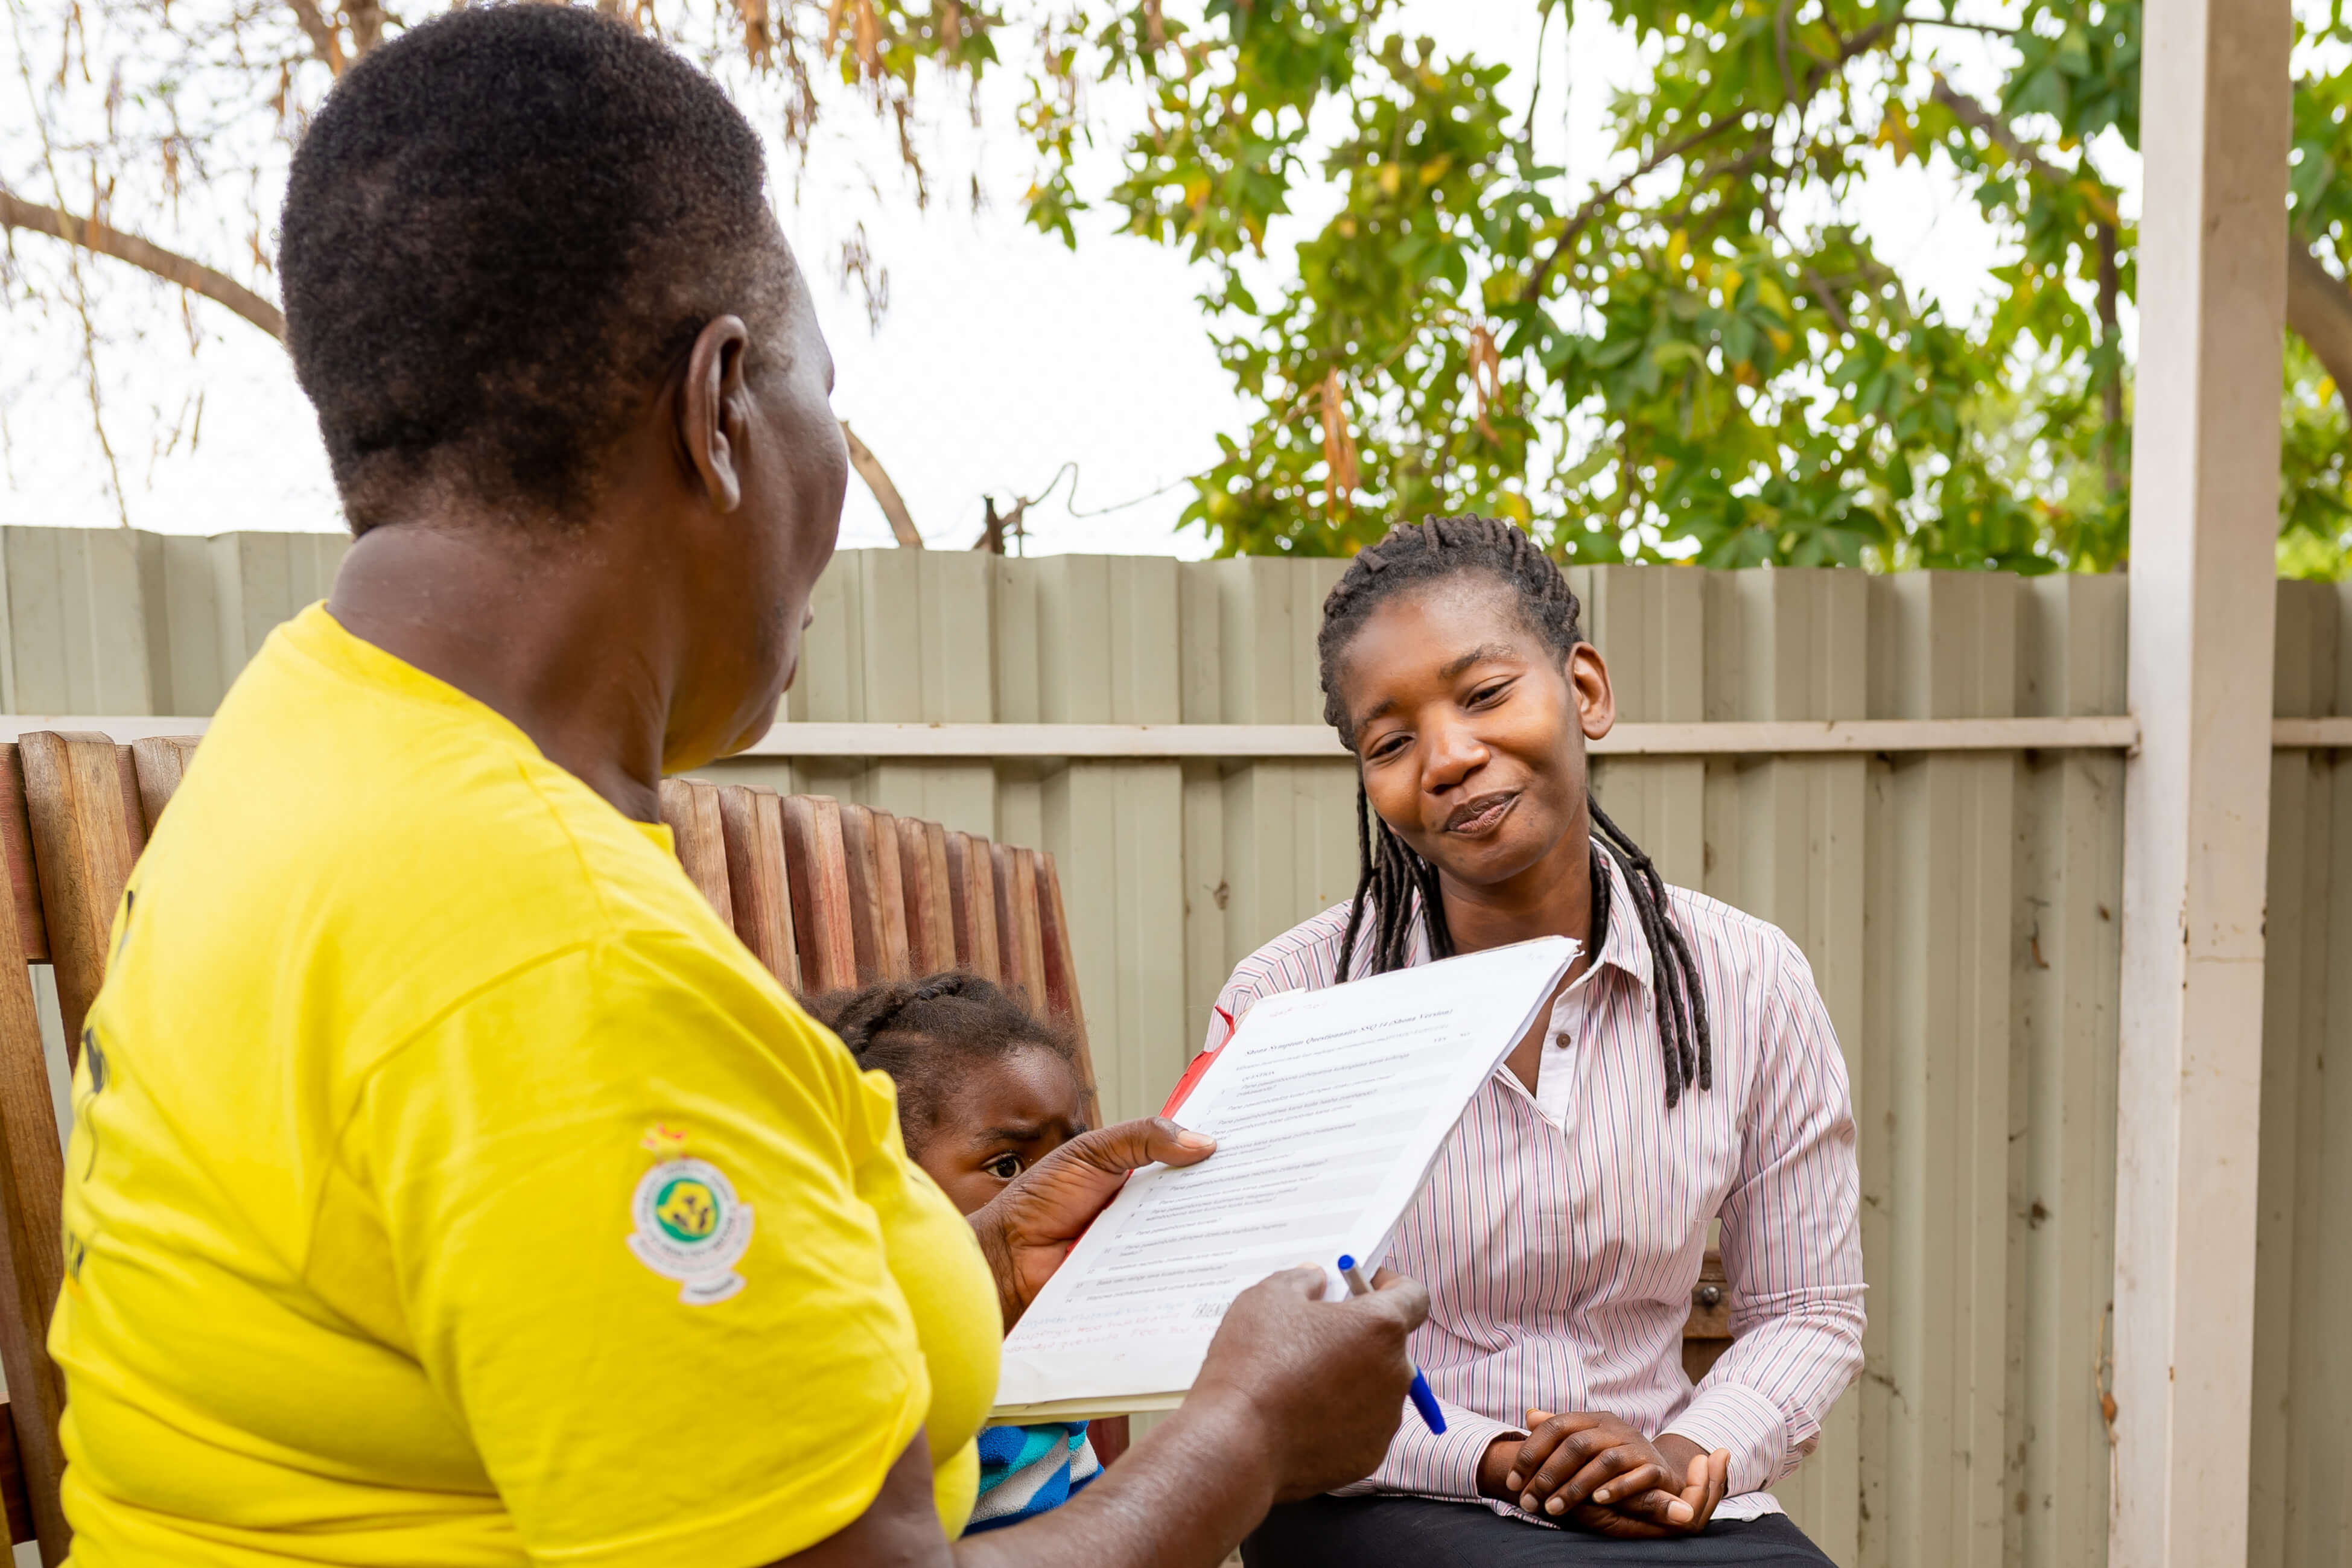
x=689 y=1224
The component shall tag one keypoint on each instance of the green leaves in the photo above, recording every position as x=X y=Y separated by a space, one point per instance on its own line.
x=1698 y=355
x=2315 y=538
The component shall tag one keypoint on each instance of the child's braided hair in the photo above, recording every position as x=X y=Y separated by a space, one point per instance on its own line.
x=922 y=1032
x=1397 y=883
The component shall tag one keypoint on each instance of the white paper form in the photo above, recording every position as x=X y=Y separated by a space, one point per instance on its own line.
x=1328 y=1108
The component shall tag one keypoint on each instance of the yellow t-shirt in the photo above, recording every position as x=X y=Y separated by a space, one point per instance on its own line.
x=449 y=1187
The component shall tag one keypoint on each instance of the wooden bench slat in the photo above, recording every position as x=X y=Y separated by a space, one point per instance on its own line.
x=134 y=816
x=890 y=899
x=752 y=820
x=931 y=909
x=971 y=905
x=15 y=1499
x=817 y=871
x=16 y=845
x=878 y=897
x=32 y=1184
x=858 y=863
x=82 y=850
x=1021 y=946
x=158 y=762
x=1061 y=966
x=690 y=807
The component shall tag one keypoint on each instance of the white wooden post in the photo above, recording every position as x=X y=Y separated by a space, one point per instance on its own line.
x=2205 y=486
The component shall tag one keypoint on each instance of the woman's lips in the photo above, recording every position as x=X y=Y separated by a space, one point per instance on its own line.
x=1473 y=817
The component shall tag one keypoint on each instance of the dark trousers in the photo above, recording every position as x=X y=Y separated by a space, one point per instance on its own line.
x=1416 y=1532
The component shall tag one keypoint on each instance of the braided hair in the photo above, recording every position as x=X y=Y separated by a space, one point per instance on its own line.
x=925 y=1033
x=1398 y=885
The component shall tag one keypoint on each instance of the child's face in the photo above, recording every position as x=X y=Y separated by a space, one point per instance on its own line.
x=1001 y=1121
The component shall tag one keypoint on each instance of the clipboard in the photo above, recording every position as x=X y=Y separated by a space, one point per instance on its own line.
x=1330 y=1107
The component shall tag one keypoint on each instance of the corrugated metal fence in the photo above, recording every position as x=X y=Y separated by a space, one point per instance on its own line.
x=2302 y=1514
x=1958 y=909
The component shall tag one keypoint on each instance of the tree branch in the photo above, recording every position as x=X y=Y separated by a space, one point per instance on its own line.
x=324 y=43
x=2319 y=309
x=1781 y=18
x=2319 y=303
x=894 y=506
x=193 y=276
x=1603 y=199
x=367 y=19
x=1997 y=130
x=172 y=267
x=1815 y=284
x=1993 y=28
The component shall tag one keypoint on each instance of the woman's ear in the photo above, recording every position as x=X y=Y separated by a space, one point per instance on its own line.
x=1588 y=681
x=713 y=411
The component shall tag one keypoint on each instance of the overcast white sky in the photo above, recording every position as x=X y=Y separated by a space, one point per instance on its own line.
x=1002 y=355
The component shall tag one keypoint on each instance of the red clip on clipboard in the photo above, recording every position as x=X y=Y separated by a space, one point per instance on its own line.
x=1199 y=1066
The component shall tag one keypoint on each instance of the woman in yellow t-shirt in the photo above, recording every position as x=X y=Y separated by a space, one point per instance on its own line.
x=448 y=1186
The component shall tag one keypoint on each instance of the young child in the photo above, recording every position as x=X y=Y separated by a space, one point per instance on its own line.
x=986 y=1089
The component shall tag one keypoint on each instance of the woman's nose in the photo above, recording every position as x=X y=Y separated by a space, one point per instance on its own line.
x=1450 y=755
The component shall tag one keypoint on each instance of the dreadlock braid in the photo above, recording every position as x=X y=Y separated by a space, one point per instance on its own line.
x=1399 y=886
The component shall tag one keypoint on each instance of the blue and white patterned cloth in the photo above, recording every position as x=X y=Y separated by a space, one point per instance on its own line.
x=1028 y=1470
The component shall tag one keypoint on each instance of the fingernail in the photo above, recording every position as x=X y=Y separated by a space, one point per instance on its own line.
x=1528 y=1501
x=1513 y=1481
x=1680 y=1512
x=1601 y=1496
x=1191 y=1140
x=1555 y=1507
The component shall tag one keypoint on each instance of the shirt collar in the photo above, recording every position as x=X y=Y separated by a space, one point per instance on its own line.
x=1624 y=947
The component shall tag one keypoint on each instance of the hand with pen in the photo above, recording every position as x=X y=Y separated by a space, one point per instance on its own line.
x=1597 y=1472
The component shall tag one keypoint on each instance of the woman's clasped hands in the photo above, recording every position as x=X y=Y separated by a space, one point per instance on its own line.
x=1597 y=1472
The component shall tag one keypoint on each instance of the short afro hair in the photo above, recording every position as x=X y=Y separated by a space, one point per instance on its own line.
x=501 y=230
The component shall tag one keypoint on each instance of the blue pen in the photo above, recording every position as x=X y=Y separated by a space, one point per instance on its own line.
x=1423 y=1399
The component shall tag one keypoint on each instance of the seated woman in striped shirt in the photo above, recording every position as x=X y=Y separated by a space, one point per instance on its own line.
x=1687 y=1071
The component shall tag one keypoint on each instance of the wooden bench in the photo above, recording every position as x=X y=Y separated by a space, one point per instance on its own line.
x=826 y=893
x=876 y=897
x=74 y=811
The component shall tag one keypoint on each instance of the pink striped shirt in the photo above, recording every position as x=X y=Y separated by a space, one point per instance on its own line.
x=1560 y=1233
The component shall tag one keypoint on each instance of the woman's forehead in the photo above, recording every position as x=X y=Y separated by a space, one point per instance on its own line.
x=1438 y=631
x=1466 y=599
